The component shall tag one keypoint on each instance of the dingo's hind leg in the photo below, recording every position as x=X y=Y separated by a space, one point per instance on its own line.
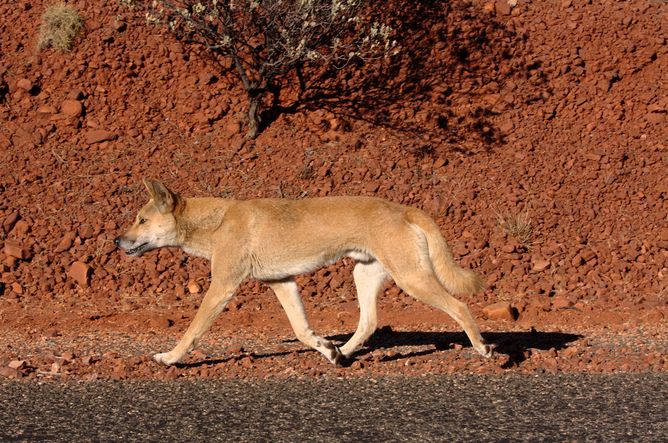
x=423 y=285
x=288 y=294
x=369 y=278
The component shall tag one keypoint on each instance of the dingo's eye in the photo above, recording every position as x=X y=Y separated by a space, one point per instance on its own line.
x=142 y=221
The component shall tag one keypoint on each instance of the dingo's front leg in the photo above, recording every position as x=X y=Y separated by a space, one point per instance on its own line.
x=219 y=294
x=212 y=305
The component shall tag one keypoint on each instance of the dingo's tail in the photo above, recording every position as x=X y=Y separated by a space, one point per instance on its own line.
x=456 y=279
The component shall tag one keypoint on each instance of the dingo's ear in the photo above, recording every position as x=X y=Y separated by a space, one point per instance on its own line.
x=162 y=197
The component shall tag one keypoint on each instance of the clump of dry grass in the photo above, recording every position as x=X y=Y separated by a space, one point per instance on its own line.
x=60 y=24
x=517 y=225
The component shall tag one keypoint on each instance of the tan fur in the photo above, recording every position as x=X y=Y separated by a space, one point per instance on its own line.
x=273 y=240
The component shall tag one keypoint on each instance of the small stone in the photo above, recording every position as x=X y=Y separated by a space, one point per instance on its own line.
x=99 y=135
x=194 y=287
x=86 y=232
x=80 y=273
x=499 y=311
x=509 y=248
x=570 y=351
x=10 y=221
x=207 y=78
x=235 y=349
x=561 y=302
x=17 y=364
x=14 y=249
x=198 y=355
x=17 y=288
x=502 y=7
x=72 y=108
x=540 y=264
x=65 y=242
x=506 y=126
x=233 y=128
x=47 y=110
x=21 y=228
x=9 y=372
x=159 y=323
x=24 y=84
x=587 y=254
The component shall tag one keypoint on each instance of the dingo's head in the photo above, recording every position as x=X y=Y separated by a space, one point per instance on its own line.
x=155 y=225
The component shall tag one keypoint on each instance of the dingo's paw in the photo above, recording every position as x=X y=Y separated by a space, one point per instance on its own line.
x=486 y=350
x=165 y=358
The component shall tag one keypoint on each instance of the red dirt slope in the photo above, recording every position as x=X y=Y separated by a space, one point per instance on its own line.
x=555 y=111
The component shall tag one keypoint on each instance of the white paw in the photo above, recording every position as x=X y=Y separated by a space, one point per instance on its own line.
x=165 y=358
x=486 y=350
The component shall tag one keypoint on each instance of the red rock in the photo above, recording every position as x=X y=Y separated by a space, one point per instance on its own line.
x=24 y=84
x=198 y=355
x=540 y=264
x=502 y=7
x=21 y=228
x=14 y=249
x=570 y=351
x=17 y=288
x=65 y=242
x=9 y=373
x=17 y=364
x=72 y=108
x=233 y=127
x=67 y=357
x=235 y=349
x=9 y=221
x=499 y=311
x=561 y=302
x=47 y=110
x=80 y=273
x=506 y=126
x=86 y=232
x=194 y=287
x=99 y=135
x=509 y=248
x=159 y=323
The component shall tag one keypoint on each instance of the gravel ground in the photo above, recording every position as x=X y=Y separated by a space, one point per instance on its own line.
x=617 y=407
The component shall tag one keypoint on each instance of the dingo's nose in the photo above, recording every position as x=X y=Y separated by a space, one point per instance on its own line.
x=117 y=241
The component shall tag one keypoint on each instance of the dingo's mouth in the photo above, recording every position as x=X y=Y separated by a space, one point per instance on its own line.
x=139 y=250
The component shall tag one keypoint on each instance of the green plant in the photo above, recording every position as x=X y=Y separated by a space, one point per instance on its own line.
x=60 y=25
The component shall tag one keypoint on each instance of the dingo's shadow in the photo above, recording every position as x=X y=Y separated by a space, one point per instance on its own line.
x=512 y=344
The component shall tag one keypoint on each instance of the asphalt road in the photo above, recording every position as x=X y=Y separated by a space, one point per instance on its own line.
x=606 y=408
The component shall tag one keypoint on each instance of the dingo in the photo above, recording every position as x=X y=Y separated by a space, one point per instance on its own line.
x=273 y=240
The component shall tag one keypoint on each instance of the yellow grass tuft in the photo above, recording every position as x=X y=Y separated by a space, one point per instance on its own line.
x=517 y=225
x=60 y=24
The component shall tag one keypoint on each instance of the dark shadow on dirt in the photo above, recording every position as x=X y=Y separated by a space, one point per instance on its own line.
x=445 y=80
x=512 y=344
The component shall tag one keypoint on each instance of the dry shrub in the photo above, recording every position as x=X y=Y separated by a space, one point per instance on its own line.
x=60 y=24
